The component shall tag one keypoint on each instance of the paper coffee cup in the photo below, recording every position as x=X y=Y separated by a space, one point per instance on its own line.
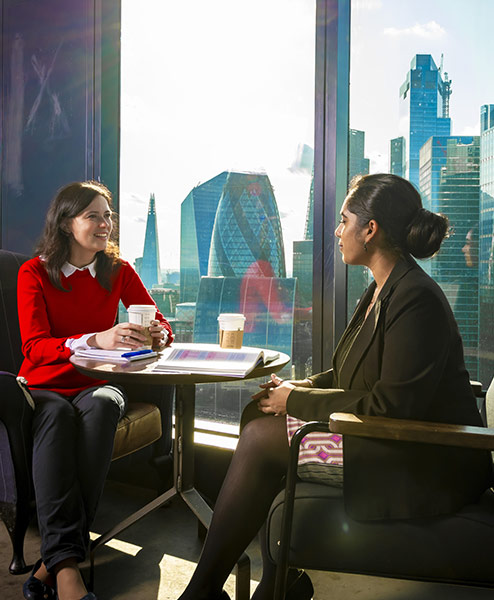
x=143 y=314
x=231 y=328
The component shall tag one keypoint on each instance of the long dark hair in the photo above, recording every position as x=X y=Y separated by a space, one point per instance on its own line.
x=54 y=244
x=395 y=204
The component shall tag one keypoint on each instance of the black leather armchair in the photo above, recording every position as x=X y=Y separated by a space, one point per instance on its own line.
x=309 y=528
x=144 y=434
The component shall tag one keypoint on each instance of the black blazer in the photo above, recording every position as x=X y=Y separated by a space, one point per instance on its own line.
x=407 y=362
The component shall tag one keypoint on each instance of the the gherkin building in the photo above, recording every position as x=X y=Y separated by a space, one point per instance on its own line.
x=247 y=229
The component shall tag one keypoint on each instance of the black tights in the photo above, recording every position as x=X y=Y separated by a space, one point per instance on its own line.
x=251 y=484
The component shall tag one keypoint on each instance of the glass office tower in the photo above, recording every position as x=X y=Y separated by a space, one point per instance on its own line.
x=424 y=109
x=302 y=255
x=246 y=274
x=357 y=163
x=486 y=244
x=198 y=212
x=397 y=158
x=449 y=182
x=302 y=273
x=309 y=218
x=246 y=269
x=266 y=302
x=358 y=277
x=247 y=229
x=149 y=266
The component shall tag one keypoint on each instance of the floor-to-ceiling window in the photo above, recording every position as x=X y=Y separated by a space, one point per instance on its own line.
x=216 y=172
x=422 y=106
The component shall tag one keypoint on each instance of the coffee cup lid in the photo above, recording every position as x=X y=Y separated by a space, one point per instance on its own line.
x=231 y=316
x=142 y=307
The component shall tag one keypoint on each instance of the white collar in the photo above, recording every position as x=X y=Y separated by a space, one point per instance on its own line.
x=69 y=269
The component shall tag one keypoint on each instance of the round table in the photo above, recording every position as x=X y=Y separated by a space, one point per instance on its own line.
x=142 y=371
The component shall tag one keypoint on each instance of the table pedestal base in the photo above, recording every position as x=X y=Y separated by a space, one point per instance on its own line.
x=183 y=474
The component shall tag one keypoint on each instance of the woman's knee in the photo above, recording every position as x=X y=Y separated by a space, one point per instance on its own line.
x=106 y=401
x=265 y=442
x=264 y=431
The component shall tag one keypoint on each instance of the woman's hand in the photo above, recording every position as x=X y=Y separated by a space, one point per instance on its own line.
x=268 y=385
x=159 y=335
x=274 y=395
x=123 y=335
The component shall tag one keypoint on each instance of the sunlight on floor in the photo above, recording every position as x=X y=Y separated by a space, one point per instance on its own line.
x=182 y=571
x=125 y=547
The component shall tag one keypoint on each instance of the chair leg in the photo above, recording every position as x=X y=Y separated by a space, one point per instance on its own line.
x=16 y=519
x=242 y=582
x=288 y=506
x=90 y=584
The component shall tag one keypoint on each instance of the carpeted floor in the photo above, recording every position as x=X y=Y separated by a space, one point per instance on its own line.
x=153 y=560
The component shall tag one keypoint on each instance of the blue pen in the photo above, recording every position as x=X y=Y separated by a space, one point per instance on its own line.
x=136 y=353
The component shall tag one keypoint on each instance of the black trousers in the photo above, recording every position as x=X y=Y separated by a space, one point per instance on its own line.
x=72 y=448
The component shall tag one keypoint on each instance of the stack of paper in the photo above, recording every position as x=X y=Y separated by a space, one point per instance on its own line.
x=117 y=356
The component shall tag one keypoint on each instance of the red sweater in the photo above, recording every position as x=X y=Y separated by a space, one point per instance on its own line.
x=48 y=317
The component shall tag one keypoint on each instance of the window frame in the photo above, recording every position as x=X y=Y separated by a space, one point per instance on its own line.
x=331 y=125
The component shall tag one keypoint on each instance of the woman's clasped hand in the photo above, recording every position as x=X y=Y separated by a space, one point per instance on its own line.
x=130 y=335
x=273 y=396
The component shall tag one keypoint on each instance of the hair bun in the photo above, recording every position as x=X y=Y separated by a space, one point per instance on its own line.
x=426 y=232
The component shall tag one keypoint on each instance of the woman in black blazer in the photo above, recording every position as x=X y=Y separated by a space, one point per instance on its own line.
x=401 y=356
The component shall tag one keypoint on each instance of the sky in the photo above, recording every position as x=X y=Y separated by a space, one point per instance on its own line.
x=229 y=85
x=386 y=35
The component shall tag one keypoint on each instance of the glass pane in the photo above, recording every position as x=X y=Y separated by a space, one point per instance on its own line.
x=421 y=103
x=217 y=121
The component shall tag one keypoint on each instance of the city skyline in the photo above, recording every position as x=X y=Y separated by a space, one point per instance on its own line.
x=205 y=111
x=180 y=154
x=387 y=35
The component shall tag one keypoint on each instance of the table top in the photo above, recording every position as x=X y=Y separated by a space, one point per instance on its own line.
x=141 y=371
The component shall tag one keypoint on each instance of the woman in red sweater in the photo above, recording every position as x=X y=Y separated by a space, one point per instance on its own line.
x=68 y=298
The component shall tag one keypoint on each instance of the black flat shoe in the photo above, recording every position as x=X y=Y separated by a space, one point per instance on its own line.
x=301 y=588
x=89 y=596
x=34 y=589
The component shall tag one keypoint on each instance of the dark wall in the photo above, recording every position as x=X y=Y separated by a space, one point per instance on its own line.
x=50 y=124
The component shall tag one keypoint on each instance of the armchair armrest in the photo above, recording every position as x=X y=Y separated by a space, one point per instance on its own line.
x=424 y=432
x=14 y=403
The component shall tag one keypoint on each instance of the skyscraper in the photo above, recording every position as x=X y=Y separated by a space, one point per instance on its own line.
x=149 y=271
x=198 y=212
x=424 y=109
x=397 y=158
x=309 y=217
x=246 y=273
x=303 y=265
x=486 y=244
x=449 y=182
x=302 y=255
x=486 y=117
x=357 y=163
x=231 y=249
x=247 y=229
x=357 y=277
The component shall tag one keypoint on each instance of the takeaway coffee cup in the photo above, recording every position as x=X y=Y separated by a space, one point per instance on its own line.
x=143 y=314
x=231 y=326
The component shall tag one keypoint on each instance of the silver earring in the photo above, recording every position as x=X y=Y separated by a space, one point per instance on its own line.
x=365 y=246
